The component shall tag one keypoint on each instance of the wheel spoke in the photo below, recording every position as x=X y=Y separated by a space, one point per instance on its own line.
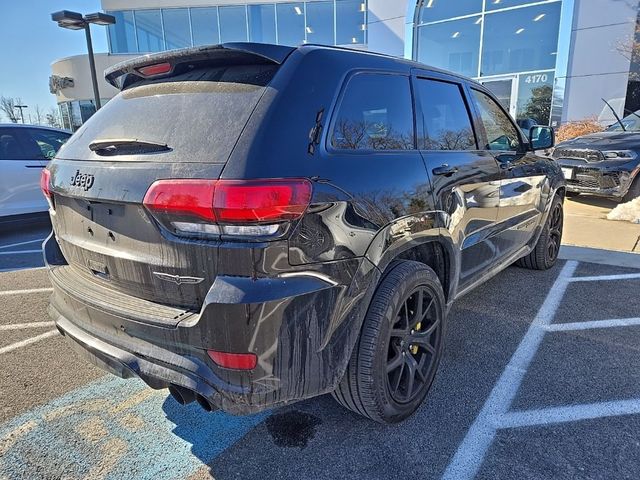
x=417 y=311
x=395 y=363
x=398 y=380
x=412 y=367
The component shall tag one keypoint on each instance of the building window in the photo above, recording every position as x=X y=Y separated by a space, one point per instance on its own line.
x=290 y=23
x=434 y=10
x=262 y=23
x=453 y=45
x=204 y=24
x=327 y=22
x=320 y=23
x=122 y=34
x=351 y=22
x=233 y=24
x=149 y=30
x=520 y=40
x=176 y=27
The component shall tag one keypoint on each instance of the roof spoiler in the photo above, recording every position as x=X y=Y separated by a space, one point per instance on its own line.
x=129 y=72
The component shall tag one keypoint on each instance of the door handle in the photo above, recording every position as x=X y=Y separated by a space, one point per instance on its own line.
x=446 y=170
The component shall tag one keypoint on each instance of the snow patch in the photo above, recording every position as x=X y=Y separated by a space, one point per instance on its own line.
x=629 y=211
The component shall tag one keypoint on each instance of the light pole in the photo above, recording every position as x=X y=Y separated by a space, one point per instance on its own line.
x=21 y=107
x=76 y=21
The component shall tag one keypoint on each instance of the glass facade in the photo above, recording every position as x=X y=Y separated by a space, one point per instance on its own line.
x=509 y=45
x=329 y=22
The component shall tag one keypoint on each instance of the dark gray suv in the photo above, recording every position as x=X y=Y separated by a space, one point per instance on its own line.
x=250 y=225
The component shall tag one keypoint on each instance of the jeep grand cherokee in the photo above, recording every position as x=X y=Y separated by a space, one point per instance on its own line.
x=251 y=225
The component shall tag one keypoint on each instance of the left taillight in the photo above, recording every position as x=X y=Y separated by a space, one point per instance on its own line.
x=247 y=208
x=45 y=182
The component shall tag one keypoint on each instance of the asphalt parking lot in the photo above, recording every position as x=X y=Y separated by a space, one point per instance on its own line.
x=541 y=379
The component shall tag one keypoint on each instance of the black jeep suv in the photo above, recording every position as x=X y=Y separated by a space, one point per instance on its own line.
x=250 y=225
x=606 y=163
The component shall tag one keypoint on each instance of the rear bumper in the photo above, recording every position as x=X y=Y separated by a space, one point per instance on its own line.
x=302 y=329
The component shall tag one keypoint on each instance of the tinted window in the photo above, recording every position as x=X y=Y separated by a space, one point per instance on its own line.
x=176 y=27
x=49 y=141
x=15 y=144
x=204 y=25
x=199 y=114
x=501 y=133
x=376 y=113
x=447 y=123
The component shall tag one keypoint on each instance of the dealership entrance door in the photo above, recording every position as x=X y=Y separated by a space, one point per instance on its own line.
x=527 y=96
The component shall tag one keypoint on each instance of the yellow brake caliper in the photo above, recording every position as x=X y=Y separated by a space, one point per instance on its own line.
x=414 y=348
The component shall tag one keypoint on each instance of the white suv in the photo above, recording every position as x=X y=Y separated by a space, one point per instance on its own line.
x=24 y=151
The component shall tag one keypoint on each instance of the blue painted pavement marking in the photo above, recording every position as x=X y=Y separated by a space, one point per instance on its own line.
x=114 y=429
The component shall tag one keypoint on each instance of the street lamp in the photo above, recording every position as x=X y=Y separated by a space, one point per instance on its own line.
x=76 y=21
x=21 y=107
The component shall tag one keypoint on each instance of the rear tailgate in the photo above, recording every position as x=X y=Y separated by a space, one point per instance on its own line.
x=194 y=116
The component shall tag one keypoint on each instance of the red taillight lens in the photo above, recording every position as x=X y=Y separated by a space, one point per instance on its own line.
x=191 y=198
x=256 y=201
x=232 y=207
x=156 y=69
x=236 y=361
x=45 y=182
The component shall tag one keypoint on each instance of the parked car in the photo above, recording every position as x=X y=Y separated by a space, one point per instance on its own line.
x=605 y=163
x=24 y=151
x=251 y=225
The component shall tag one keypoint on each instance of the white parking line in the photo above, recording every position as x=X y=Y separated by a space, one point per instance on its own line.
x=20 y=252
x=614 y=322
x=24 y=292
x=570 y=413
x=22 y=243
x=602 y=278
x=473 y=448
x=23 y=326
x=17 y=269
x=28 y=341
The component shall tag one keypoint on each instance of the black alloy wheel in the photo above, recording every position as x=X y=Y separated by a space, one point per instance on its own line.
x=413 y=345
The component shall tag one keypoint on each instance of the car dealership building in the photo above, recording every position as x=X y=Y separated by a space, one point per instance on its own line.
x=552 y=61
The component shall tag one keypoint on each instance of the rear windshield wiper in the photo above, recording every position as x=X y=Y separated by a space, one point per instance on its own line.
x=126 y=146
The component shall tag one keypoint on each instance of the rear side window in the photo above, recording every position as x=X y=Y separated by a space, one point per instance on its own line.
x=376 y=113
x=447 y=124
x=48 y=141
x=199 y=115
x=501 y=133
x=16 y=144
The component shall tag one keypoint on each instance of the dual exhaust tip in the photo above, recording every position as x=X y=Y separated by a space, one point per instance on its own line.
x=184 y=396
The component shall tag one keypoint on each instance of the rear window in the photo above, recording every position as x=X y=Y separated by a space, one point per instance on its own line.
x=199 y=115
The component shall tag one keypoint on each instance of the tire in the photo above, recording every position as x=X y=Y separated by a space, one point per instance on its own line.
x=634 y=190
x=545 y=254
x=572 y=194
x=375 y=383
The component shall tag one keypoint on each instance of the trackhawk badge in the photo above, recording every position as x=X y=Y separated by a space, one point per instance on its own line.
x=178 y=279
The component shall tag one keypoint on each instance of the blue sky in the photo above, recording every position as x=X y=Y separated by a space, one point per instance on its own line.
x=30 y=42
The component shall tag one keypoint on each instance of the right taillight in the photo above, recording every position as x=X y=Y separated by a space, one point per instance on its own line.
x=248 y=208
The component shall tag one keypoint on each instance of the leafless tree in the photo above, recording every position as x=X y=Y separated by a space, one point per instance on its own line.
x=53 y=118
x=38 y=115
x=8 y=107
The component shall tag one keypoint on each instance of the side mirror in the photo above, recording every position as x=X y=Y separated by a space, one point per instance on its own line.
x=541 y=138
